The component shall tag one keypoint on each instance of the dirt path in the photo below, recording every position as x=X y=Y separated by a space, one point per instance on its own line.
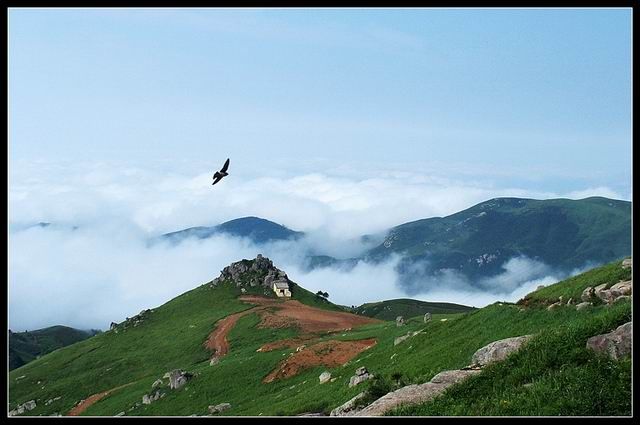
x=278 y=313
x=84 y=404
x=327 y=353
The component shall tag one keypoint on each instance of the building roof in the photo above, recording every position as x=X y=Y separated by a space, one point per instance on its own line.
x=281 y=285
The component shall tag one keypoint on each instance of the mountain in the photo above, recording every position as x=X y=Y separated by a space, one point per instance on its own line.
x=564 y=234
x=232 y=347
x=406 y=307
x=257 y=229
x=29 y=345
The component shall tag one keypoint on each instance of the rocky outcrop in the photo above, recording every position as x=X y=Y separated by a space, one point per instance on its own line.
x=349 y=408
x=554 y=306
x=219 y=408
x=399 y=321
x=403 y=338
x=588 y=294
x=414 y=394
x=150 y=398
x=420 y=393
x=178 y=377
x=427 y=317
x=362 y=374
x=608 y=296
x=24 y=407
x=129 y=322
x=498 y=350
x=627 y=263
x=257 y=272
x=615 y=344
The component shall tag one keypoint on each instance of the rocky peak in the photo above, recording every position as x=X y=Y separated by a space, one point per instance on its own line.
x=257 y=272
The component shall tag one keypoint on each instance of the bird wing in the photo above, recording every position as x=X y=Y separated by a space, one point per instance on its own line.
x=225 y=166
x=217 y=178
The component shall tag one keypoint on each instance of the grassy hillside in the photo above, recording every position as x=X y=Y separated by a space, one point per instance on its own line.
x=562 y=233
x=173 y=334
x=27 y=346
x=390 y=309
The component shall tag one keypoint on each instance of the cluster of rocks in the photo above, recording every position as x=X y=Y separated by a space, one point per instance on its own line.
x=177 y=379
x=130 y=321
x=24 y=407
x=362 y=374
x=259 y=272
x=618 y=292
x=615 y=344
x=413 y=394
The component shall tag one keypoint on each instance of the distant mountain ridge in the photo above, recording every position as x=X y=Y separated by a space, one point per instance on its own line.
x=561 y=233
x=29 y=345
x=257 y=229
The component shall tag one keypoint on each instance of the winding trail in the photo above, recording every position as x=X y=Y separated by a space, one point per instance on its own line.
x=84 y=404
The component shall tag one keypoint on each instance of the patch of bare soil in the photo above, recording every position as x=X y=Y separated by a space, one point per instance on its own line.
x=327 y=353
x=84 y=404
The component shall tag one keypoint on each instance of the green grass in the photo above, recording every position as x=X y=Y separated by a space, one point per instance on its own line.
x=390 y=309
x=554 y=374
x=573 y=287
x=173 y=335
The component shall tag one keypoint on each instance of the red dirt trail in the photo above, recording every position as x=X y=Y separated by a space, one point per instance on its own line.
x=276 y=313
x=83 y=405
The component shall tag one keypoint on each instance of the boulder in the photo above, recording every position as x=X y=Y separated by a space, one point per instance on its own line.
x=348 y=408
x=362 y=374
x=588 y=294
x=178 y=377
x=325 y=377
x=156 y=383
x=427 y=317
x=150 y=398
x=582 y=306
x=615 y=344
x=621 y=288
x=498 y=350
x=416 y=394
x=214 y=361
x=400 y=339
x=602 y=293
x=219 y=408
x=400 y=321
x=627 y=263
x=554 y=306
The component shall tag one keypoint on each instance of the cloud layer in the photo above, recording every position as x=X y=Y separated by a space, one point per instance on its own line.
x=105 y=270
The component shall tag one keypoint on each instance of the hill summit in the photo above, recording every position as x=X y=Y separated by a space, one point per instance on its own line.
x=256 y=273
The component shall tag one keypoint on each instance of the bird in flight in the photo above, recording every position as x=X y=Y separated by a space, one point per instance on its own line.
x=220 y=174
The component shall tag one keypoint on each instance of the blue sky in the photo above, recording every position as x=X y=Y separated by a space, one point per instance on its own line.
x=338 y=123
x=540 y=98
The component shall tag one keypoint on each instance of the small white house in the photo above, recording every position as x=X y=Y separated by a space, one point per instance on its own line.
x=281 y=289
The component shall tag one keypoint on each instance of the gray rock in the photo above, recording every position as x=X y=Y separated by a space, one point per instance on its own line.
x=214 y=361
x=588 y=294
x=400 y=321
x=615 y=344
x=427 y=317
x=416 y=394
x=150 y=398
x=325 y=377
x=400 y=339
x=627 y=263
x=156 y=383
x=358 y=379
x=361 y=371
x=498 y=350
x=622 y=298
x=178 y=377
x=621 y=288
x=348 y=408
x=554 y=306
x=219 y=408
x=583 y=305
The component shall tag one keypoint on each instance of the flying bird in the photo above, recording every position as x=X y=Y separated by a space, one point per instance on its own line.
x=220 y=174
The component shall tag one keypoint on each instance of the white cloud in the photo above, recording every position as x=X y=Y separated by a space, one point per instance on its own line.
x=105 y=271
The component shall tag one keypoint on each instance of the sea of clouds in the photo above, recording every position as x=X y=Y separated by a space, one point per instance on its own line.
x=95 y=265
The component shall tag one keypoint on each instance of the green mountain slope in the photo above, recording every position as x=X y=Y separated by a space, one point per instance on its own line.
x=390 y=309
x=26 y=346
x=562 y=233
x=171 y=336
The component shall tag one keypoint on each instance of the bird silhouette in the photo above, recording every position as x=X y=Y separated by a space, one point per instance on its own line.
x=220 y=174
